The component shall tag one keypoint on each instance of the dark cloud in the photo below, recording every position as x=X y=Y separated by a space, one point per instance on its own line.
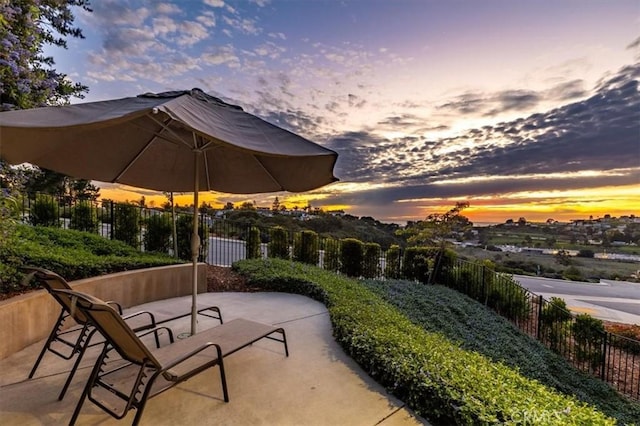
x=517 y=100
x=567 y=91
x=599 y=134
x=401 y=120
x=469 y=103
x=493 y=188
x=295 y=121
x=356 y=101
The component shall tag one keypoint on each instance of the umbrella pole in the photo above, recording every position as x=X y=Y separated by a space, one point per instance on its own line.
x=195 y=247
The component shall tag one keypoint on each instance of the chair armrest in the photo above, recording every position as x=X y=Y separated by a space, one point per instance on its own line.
x=169 y=376
x=152 y=319
x=155 y=330
x=116 y=304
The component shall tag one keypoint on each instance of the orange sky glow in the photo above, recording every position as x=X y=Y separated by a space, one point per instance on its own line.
x=562 y=206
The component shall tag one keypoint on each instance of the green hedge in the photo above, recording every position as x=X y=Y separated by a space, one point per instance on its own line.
x=461 y=319
x=278 y=243
x=418 y=262
x=159 y=233
x=351 y=257
x=371 y=261
x=253 y=243
x=433 y=375
x=72 y=254
x=305 y=247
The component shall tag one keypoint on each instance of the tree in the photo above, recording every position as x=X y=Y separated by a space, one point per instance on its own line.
x=563 y=257
x=248 y=205
x=27 y=76
x=83 y=190
x=437 y=227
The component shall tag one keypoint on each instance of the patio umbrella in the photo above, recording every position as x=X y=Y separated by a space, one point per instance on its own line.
x=178 y=141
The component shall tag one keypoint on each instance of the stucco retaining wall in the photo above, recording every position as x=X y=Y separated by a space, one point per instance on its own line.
x=28 y=318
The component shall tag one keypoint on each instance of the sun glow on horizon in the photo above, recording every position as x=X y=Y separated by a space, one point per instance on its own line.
x=537 y=206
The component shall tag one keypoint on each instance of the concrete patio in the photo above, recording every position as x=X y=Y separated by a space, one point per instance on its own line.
x=316 y=385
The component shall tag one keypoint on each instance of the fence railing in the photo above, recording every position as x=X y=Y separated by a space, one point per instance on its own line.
x=582 y=341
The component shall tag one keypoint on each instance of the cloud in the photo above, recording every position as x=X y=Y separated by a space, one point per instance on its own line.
x=590 y=143
x=245 y=26
x=567 y=91
x=214 y=3
x=190 y=33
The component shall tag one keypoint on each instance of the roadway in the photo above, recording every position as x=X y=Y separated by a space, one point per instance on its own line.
x=617 y=301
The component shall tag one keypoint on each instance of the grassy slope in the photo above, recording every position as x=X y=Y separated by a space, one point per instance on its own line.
x=430 y=372
x=72 y=254
x=475 y=328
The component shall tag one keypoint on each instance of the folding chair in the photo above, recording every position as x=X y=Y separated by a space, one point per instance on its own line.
x=147 y=372
x=77 y=338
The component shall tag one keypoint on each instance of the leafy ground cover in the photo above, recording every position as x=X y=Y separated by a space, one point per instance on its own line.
x=432 y=373
x=475 y=328
x=72 y=254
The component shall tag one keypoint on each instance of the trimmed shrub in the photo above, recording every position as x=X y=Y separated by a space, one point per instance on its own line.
x=305 y=247
x=508 y=298
x=126 y=224
x=184 y=231
x=278 y=246
x=351 y=257
x=418 y=262
x=84 y=217
x=253 y=243
x=445 y=261
x=45 y=211
x=331 y=260
x=392 y=264
x=157 y=238
x=371 y=262
x=554 y=324
x=589 y=333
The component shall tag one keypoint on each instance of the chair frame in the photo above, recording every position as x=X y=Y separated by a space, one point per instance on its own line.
x=78 y=338
x=159 y=363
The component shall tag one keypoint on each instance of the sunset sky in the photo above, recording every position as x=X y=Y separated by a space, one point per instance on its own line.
x=525 y=109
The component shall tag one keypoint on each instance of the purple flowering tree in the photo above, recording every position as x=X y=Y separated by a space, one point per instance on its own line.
x=27 y=76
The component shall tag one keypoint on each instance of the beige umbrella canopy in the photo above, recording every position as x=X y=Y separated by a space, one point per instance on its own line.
x=179 y=141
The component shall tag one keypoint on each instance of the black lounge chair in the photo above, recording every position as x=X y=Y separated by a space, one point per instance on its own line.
x=146 y=372
x=76 y=339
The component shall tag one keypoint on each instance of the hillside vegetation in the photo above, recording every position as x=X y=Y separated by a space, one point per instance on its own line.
x=464 y=321
x=72 y=254
x=432 y=373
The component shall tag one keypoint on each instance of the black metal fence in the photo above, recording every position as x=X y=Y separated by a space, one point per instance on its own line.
x=580 y=339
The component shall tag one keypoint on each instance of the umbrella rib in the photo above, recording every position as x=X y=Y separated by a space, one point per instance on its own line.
x=165 y=127
x=139 y=154
x=269 y=173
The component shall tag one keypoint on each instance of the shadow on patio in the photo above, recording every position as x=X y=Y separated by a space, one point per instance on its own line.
x=316 y=385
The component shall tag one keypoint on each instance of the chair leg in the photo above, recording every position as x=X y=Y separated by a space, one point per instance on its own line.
x=83 y=348
x=45 y=348
x=90 y=383
x=223 y=377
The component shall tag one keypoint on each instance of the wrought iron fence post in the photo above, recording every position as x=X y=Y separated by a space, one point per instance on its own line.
x=539 y=321
x=113 y=219
x=603 y=373
x=483 y=287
